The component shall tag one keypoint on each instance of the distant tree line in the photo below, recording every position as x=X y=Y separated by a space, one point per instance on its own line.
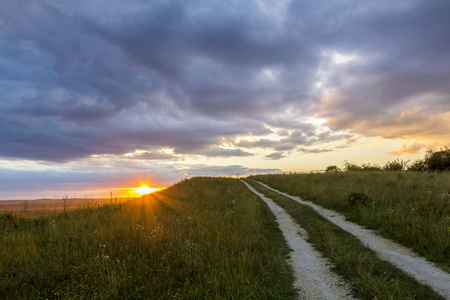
x=433 y=161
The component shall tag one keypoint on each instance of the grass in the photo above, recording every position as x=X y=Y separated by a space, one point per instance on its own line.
x=370 y=277
x=202 y=238
x=46 y=207
x=411 y=208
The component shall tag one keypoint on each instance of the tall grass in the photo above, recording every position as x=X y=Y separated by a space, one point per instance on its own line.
x=202 y=238
x=369 y=276
x=409 y=207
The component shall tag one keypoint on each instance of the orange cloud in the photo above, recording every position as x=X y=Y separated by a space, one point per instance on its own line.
x=410 y=148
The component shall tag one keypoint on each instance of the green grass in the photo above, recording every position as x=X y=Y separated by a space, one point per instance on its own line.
x=409 y=207
x=370 y=277
x=202 y=238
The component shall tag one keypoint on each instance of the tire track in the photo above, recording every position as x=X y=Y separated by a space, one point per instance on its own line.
x=400 y=256
x=313 y=278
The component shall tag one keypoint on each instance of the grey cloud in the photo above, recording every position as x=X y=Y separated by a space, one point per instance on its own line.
x=309 y=150
x=220 y=152
x=79 y=79
x=262 y=143
x=275 y=155
x=152 y=155
x=404 y=54
x=295 y=140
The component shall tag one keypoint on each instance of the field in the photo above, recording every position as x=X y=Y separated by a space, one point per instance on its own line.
x=45 y=207
x=212 y=238
x=412 y=208
x=202 y=238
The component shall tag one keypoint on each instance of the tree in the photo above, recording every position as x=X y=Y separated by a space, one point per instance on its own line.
x=438 y=160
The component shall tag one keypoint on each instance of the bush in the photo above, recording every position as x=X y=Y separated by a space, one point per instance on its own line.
x=332 y=169
x=418 y=166
x=351 y=167
x=438 y=160
x=370 y=168
x=396 y=165
x=358 y=198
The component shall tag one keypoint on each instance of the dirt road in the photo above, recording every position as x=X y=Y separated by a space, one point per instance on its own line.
x=400 y=256
x=314 y=279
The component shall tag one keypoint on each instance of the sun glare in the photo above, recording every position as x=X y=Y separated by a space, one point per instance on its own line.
x=144 y=190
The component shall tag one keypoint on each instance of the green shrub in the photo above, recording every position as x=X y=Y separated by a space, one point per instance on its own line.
x=332 y=169
x=369 y=167
x=438 y=160
x=351 y=167
x=396 y=165
x=418 y=166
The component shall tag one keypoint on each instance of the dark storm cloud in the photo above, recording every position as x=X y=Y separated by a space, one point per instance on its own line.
x=78 y=79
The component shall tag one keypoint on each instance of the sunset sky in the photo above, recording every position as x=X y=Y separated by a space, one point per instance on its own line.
x=97 y=96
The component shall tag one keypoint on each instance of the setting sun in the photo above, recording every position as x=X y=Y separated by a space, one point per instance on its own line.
x=144 y=190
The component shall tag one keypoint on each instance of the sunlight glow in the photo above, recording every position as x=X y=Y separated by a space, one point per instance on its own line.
x=144 y=190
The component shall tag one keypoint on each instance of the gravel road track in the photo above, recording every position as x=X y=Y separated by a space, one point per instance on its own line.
x=314 y=279
x=400 y=256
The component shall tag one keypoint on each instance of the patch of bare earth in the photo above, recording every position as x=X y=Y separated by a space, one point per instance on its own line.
x=400 y=256
x=314 y=279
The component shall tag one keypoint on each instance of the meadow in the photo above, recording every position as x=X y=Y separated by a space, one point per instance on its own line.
x=202 y=238
x=369 y=276
x=212 y=238
x=412 y=208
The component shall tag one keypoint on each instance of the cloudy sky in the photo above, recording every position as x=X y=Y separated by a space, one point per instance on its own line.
x=100 y=95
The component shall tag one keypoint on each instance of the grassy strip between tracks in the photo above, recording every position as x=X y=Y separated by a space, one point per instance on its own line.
x=371 y=277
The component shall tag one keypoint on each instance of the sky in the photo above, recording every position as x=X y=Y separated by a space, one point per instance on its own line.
x=98 y=96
